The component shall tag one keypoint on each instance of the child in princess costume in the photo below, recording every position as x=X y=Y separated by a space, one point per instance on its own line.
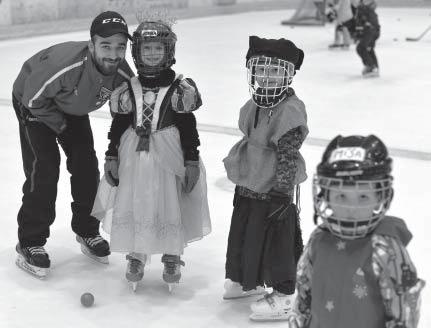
x=153 y=197
x=355 y=270
x=266 y=166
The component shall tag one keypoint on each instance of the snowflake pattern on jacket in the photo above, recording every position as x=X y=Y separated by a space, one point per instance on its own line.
x=396 y=275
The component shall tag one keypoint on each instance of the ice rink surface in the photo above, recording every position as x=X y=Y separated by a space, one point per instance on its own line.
x=396 y=107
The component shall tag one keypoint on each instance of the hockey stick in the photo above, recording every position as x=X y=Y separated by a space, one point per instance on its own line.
x=420 y=36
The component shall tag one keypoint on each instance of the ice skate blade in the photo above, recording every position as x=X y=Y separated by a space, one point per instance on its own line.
x=270 y=317
x=234 y=296
x=102 y=259
x=171 y=286
x=40 y=273
x=134 y=286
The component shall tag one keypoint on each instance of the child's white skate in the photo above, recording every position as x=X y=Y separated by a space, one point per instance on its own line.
x=273 y=307
x=95 y=248
x=172 y=270
x=233 y=290
x=135 y=271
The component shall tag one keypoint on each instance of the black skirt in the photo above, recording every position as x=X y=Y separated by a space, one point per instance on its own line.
x=262 y=251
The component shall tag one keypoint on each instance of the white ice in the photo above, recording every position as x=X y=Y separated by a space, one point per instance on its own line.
x=211 y=51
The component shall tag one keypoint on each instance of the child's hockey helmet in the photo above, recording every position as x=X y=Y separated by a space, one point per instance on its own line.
x=353 y=164
x=153 y=31
x=267 y=60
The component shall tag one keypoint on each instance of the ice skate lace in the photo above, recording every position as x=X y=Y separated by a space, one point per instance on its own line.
x=93 y=241
x=171 y=265
x=134 y=264
x=37 y=250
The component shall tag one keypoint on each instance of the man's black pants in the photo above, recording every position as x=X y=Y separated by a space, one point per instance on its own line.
x=41 y=161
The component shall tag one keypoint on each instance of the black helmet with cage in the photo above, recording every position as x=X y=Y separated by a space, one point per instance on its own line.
x=353 y=164
x=153 y=47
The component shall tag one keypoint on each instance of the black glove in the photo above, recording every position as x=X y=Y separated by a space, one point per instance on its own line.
x=111 y=170
x=192 y=175
x=278 y=205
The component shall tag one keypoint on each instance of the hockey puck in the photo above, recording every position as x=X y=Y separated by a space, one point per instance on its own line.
x=87 y=299
x=395 y=39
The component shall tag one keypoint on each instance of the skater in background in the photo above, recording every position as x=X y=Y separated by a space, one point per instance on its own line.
x=343 y=16
x=355 y=270
x=153 y=198
x=266 y=166
x=367 y=31
x=52 y=96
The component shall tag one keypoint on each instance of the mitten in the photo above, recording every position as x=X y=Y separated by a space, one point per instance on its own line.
x=111 y=170
x=192 y=175
x=186 y=97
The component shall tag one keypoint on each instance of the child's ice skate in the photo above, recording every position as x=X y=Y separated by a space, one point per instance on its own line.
x=370 y=71
x=34 y=260
x=273 y=307
x=135 y=271
x=172 y=270
x=233 y=290
x=95 y=247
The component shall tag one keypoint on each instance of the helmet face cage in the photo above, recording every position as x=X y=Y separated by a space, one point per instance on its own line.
x=150 y=33
x=268 y=80
x=348 y=228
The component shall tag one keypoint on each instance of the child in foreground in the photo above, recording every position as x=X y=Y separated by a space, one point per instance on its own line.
x=355 y=270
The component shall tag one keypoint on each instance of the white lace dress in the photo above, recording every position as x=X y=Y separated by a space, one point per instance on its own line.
x=149 y=212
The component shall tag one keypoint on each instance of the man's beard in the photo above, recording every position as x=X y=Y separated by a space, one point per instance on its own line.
x=106 y=66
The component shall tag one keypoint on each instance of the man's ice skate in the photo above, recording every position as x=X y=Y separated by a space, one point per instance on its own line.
x=135 y=271
x=34 y=260
x=95 y=248
x=335 y=46
x=273 y=307
x=172 y=270
x=233 y=290
x=369 y=71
